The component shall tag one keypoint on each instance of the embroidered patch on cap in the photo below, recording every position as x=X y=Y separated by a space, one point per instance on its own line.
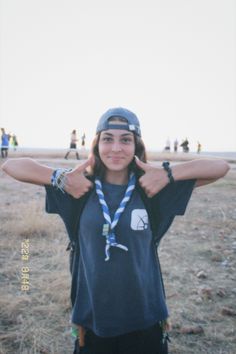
x=131 y=127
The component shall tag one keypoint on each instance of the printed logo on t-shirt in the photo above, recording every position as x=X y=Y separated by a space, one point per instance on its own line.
x=139 y=219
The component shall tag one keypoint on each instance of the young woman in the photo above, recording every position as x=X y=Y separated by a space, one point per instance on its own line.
x=116 y=207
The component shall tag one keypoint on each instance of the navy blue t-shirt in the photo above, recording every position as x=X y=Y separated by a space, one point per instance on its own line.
x=125 y=293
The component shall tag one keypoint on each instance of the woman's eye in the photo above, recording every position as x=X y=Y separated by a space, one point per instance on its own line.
x=106 y=139
x=127 y=140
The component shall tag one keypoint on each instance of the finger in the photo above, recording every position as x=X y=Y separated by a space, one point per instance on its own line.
x=82 y=167
x=89 y=185
x=92 y=159
x=148 y=192
x=144 y=166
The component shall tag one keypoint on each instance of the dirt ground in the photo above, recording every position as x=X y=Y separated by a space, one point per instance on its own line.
x=197 y=257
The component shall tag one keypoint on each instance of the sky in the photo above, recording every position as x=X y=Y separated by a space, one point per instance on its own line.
x=172 y=62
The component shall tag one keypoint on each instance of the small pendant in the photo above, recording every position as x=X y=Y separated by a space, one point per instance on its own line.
x=105 y=229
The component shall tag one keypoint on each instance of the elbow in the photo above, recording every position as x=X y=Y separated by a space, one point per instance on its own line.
x=8 y=165
x=4 y=166
x=224 y=168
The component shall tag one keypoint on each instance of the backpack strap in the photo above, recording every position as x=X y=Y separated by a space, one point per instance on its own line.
x=152 y=211
x=73 y=246
x=152 y=207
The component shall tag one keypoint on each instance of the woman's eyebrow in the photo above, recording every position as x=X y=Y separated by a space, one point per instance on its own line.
x=128 y=134
x=125 y=134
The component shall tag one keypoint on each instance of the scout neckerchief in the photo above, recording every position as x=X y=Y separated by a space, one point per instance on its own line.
x=109 y=226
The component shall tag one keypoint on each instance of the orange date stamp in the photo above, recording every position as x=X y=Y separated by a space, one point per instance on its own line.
x=25 y=270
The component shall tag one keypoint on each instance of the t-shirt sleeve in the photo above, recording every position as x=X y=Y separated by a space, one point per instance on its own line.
x=62 y=204
x=174 y=198
x=57 y=202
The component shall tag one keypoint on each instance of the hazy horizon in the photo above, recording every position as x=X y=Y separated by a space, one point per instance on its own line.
x=87 y=148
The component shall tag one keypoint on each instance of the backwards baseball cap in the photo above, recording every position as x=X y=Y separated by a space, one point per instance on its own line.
x=131 y=120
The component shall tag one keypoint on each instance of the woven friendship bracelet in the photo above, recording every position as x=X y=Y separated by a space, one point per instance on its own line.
x=58 y=178
x=166 y=166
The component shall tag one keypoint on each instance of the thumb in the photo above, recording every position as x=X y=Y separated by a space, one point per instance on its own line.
x=82 y=167
x=144 y=166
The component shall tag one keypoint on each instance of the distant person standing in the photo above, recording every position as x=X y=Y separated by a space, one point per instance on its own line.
x=4 y=143
x=176 y=144
x=167 y=147
x=83 y=140
x=14 y=142
x=199 y=147
x=184 y=145
x=73 y=145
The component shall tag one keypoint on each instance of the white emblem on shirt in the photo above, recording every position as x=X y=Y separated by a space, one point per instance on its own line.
x=139 y=219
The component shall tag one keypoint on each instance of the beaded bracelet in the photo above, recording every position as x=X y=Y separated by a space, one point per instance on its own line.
x=58 y=178
x=166 y=166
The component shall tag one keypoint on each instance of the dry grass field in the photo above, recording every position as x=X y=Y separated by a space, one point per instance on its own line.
x=197 y=257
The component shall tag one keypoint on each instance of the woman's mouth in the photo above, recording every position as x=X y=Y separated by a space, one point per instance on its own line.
x=115 y=158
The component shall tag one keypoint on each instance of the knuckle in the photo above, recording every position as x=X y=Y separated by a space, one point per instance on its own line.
x=141 y=182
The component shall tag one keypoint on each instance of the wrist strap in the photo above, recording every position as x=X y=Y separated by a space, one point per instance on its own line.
x=166 y=166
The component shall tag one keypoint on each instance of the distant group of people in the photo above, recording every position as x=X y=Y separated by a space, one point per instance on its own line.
x=11 y=139
x=184 y=145
x=6 y=140
x=73 y=144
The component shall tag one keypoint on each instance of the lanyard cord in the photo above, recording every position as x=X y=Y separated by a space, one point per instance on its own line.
x=109 y=226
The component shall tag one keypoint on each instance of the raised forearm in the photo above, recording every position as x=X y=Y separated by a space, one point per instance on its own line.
x=28 y=170
x=201 y=169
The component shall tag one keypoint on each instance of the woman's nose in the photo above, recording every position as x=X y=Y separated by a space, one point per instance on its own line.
x=116 y=146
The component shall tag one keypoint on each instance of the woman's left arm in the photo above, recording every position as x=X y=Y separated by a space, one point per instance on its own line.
x=203 y=170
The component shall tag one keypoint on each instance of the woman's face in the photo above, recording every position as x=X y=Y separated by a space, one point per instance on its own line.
x=116 y=149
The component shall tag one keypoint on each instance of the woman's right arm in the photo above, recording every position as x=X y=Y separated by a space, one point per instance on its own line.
x=28 y=170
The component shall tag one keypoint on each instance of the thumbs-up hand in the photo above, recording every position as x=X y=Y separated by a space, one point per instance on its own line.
x=154 y=178
x=76 y=183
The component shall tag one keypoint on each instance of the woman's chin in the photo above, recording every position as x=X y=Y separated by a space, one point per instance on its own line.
x=116 y=167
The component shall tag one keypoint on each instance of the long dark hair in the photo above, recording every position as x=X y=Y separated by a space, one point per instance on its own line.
x=99 y=168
